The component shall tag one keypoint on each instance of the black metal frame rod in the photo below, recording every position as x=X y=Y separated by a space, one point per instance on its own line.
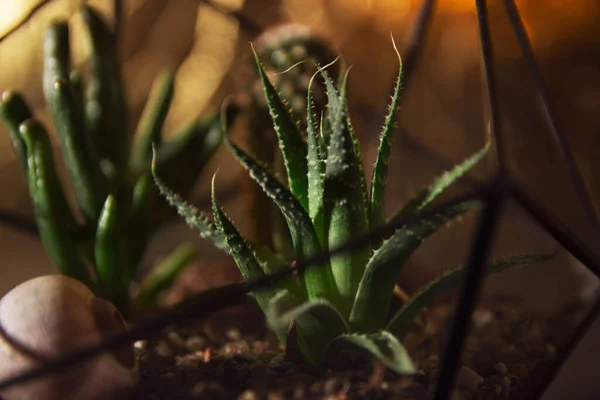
x=19 y=222
x=483 y=241
x=562 y=143
x=560 y=233
x=459 y=331
x=414 y=48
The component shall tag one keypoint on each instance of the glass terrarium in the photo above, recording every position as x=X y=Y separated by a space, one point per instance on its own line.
x=298 y=199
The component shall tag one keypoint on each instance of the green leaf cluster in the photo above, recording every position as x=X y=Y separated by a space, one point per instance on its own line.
x=345 y=300
x=102 y=239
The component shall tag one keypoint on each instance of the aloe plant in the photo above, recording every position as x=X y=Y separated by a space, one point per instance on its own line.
x=345 y=300
x=103 y=241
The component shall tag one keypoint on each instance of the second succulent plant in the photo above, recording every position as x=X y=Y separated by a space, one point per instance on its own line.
x=102 y=243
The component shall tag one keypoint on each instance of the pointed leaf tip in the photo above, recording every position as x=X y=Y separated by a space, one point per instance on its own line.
x=291 y=142
x=380 y=170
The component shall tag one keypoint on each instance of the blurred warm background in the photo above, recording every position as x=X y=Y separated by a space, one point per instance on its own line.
x=443 y=109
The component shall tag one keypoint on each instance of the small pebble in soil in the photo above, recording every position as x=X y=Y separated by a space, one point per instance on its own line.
x=482 y=318
x=501 y=368
x=189 y=361
x=248 y=395
x=140 y=345
x=276 y=396
x=298 y=393
x=206 y=357
x=233 y=334
x=176 y=340
x=333 y=386
x=468 y=379
x=163 y=350
x=196 y=343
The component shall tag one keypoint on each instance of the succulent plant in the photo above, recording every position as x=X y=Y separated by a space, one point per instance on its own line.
x=345 y=300
x=119 y=207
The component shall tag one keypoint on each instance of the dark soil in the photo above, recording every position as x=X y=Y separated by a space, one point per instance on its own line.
x=232 y=356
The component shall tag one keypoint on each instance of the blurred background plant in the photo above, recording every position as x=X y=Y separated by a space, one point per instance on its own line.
x=101 y=241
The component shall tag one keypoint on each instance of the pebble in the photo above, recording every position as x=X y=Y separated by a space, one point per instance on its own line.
x=500 y=367
x=278 y=358
x=189 y=361
x=482 y=318
x=299 y=393
x=267 y=356
x=141 y=345
x=163 y=350
x=243 y=345
x=207 y=356
x=333 y=386
x=276 y=396
x=196 y=343
x=176 y=340
x=248 y=395
x=248 y=355
x=468 y=379
x=233 y=334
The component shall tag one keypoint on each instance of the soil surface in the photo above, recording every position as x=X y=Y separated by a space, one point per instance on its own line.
x=233 y=356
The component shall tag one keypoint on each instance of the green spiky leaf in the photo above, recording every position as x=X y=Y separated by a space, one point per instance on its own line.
x=292 y=144
x=304 y=238
x=242 y=254
x=400 y=323
x=316 y=167
x=383 y=346
x=344 y=212
x=376 y=288
x=380 y=170
x=192 y=216
x=428 y=195
x=361 y=169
